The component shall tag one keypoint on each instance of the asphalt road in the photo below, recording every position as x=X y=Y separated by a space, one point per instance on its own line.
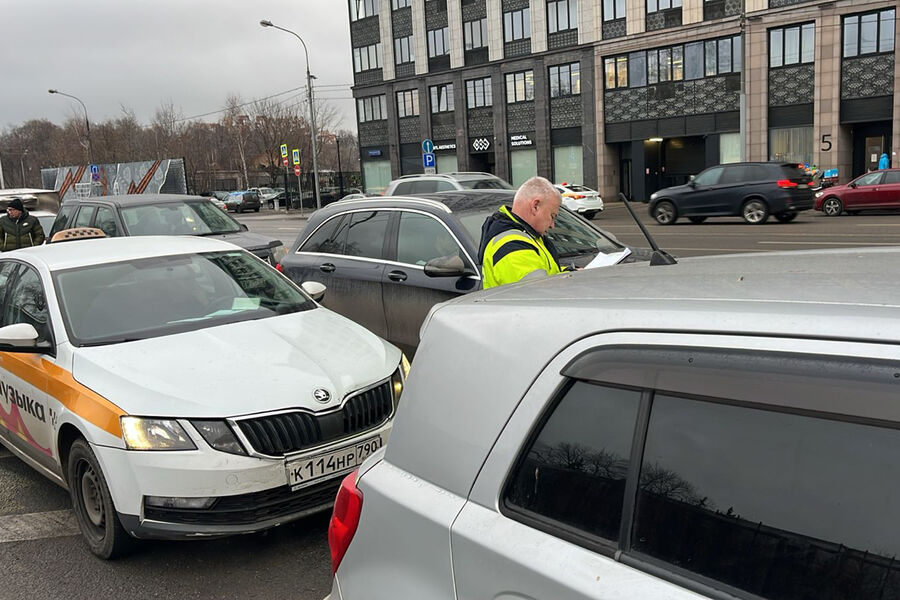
x=715 y=236
x=44 y=557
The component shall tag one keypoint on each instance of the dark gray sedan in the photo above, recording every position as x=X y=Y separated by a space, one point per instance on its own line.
x=386 y=261
x=163 y=214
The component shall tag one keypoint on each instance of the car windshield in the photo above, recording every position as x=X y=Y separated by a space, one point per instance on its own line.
x=488 y=183
x=126 y=301
x=579 y=188
x=570 y=235
x=193 y=217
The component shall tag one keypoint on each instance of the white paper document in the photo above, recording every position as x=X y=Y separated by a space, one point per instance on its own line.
x=605 y=260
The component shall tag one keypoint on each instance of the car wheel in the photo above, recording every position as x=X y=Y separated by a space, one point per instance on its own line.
x=94 y=509
x=665 y=213
x=832 y=207
x=696 y=220
x=755 y=211
x=590 y=214
x=256 y=209
x=786 y=217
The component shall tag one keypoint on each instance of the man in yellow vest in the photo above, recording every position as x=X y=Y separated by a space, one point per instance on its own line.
x=513 y=246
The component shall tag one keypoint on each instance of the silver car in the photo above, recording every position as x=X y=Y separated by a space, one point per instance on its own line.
x=726 y=427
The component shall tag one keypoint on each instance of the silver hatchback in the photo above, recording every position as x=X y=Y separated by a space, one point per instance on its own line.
x=727 y=427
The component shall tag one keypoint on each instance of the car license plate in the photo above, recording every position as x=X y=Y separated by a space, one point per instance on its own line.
x=303 y=471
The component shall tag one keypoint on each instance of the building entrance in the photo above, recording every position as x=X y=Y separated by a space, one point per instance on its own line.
x=870 y=141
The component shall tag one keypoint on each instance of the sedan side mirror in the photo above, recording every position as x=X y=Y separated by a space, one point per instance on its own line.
x=315 y=290
x=852 y=184
x=244 y=227
x=19 y=335
x=691 y=181
x=447 y=266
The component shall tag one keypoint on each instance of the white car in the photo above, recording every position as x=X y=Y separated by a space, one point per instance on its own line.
x=181 y=387
x=582 y=200
x=722 y=428
x=266 y=194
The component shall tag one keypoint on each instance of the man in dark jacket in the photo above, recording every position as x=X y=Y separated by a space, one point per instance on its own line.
x=18 y=229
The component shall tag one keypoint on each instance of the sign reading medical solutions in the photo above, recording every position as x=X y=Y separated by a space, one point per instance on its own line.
x=520 y=139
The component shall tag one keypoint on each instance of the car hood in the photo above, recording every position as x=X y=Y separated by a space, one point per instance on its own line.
x=674 y=190
x=247 y=240
x=240 y=368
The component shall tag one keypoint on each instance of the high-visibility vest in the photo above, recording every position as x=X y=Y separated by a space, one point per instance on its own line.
x=513 y=254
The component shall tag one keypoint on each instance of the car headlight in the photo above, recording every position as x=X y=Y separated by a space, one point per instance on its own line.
x=653 y=196
x=819 y=194
x=219 y=436
x=154 y=434
x=278 y=253
x=398 y=379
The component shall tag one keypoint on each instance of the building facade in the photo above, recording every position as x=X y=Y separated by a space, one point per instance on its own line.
x=623 y=95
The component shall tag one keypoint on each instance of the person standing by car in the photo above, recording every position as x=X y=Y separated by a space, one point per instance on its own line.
x=884 y=162
x=513 y=245
x=19 y=229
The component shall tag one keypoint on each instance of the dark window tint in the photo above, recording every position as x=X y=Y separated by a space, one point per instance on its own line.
x=734 y=174
x=709 y=176
x=791 y=172
x=26 y=304
x=365 y=236
x=106 y=220
x=782 y=506
x=574 y=472
x=424 y=186
x=870 y=178
x=83 y=218
x=7 y=268
x=891 y=177
x=404 y=187
x=328 y=238
x=422 y=238
x=62 y=218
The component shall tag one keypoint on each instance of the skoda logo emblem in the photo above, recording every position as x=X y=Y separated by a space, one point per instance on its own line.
x=322 y=395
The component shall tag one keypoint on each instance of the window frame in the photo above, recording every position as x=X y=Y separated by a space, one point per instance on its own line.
x=438 y=98
x=616 y=5
x=366 y=108
x=572 y=75
x=878 y=37
x=803 y=30
x=408 y=103
x=469 y=28
x=658 y=5
x=20 y=269
x=526 y=97
x=510 y=23
x=558 y=7
x=398 y=4
x=364 y=57
x=404 y=45
x=369 y=8
x=486 y=91
x=434 y=37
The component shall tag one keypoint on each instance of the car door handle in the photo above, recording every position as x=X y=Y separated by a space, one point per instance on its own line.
x=326 y=268
x=397 y=276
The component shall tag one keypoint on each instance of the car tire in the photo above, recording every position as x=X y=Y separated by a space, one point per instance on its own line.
x=832 y=207
x=755 y=211
x=94 y=508
x=696 y=220
x=590 y=214
x=665 y=213
x=786 y=217
x=256 y=209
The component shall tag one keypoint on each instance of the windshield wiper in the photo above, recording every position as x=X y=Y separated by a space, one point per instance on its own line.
x=215 y=233
x=111 y=341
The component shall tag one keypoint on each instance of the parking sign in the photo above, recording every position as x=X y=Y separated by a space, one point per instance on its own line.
x=284 y=151
x=296 y=155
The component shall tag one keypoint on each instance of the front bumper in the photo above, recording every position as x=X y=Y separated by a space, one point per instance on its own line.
x=251 y=493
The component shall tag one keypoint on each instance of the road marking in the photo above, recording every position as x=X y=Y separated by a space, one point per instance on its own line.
x=877 y=225
x=289 y=228
x=37 y=526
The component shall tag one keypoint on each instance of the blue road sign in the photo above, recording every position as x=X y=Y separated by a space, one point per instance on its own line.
x=427 y=146
x=95 y=172
x=428 y=159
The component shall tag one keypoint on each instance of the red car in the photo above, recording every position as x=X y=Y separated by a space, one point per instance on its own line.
x=873 y=191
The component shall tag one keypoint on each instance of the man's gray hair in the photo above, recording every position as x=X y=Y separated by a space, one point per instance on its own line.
x=536 y=187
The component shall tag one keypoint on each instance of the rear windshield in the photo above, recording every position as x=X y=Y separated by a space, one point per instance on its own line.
x=489 y=183
x=795 y=173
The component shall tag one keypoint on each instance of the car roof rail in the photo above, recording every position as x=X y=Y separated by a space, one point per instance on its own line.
x=426 y=201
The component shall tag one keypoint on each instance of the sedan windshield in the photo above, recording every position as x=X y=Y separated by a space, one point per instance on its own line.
x=126 y=301
x=192 y=217
x=570 y=235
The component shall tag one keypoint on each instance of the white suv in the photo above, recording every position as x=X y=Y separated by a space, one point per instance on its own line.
x=726 y=427
x=444 y=182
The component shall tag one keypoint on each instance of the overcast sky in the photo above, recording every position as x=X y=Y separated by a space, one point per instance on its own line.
x=141 y=53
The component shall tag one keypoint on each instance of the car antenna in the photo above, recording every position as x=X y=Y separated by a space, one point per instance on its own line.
x=659 y=257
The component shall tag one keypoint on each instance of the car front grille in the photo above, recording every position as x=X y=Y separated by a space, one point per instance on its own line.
x=284 y=433
x=246 y=509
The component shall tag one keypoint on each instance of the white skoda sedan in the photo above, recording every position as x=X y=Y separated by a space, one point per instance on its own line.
x=181 y=387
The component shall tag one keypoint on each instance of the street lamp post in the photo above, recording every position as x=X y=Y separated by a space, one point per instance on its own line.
x=312 y=112
x=87 y=122
x=22 y=164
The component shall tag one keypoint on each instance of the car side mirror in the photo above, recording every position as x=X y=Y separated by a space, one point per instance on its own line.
x=314 y=289
x=691 y=181
x=19 y=335
x=447 y=266
x=851 y=184
x=244 y=227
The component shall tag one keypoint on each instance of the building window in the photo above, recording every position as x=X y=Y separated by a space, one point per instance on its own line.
x=565 y=80
x=613 y=9
x=616 y=70
x=478 y=93
x=520 y=87
x=562 y=15
x=791 y=144
x=403 y=50
x=792 y=45
x=870 y=33
x=441 y=98
x=408 y=103
x=723 y=56
x=729 y=148
x=657 y=5
x=475 y=34
x=367 y=58
x=397 y=4
x=517 y=25
x=360 y=9
x=371 y=108
x=438 y=42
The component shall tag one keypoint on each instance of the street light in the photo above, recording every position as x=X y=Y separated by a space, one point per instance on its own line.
x=87 y=123
x=22 y=164
x=312 y=112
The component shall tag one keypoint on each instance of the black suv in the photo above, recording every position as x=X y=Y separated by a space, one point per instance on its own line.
x=752 y=190
x=163 y=214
